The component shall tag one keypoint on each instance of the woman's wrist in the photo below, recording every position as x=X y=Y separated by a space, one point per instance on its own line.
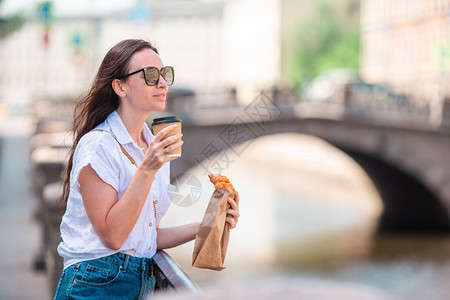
x=150 y=173
x=195 y=228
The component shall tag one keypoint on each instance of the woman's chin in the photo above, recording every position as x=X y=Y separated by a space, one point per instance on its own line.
x=158 y=104
x=159 y=107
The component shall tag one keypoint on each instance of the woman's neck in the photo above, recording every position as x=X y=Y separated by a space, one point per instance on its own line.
x=133 y=122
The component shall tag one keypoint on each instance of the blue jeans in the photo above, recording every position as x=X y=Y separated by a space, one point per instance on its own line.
x=118 y=276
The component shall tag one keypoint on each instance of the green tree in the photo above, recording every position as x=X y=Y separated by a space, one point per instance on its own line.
x=8 y=24
x=326 y=40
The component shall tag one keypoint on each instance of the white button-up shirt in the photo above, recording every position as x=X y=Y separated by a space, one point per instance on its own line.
x=102 y=152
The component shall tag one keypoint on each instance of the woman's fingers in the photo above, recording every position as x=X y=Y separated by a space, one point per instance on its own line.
x=174 y=146
x=167 y=144
x=236 y=197
x=232 y=222
x=160 y=135
x=171 y=140
x=233 y=212
x=159 y=147
x=233 y=203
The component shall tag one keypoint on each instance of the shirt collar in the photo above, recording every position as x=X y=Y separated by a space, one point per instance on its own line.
x=120 y=131
x=118 y=128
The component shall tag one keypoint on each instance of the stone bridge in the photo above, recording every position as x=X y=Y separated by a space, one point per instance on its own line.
x=406 y=156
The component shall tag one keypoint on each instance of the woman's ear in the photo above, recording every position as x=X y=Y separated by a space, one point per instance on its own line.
x=118 y=87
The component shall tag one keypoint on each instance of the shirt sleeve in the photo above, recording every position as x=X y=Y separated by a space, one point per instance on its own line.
x=101 y=151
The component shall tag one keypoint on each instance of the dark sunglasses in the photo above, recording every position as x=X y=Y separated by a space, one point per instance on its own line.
x=152 y=74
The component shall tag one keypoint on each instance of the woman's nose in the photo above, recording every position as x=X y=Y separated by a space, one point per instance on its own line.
x=161 y=82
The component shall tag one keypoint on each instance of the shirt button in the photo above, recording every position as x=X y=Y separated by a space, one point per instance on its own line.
x=150 y=224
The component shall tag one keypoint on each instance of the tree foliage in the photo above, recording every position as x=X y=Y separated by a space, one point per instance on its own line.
x=9 y=24
x=325 y=41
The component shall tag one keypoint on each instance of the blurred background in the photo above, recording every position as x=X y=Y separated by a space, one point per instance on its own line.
x=330 y=117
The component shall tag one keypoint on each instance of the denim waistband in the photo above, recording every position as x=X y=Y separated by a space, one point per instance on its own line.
x=128 y=261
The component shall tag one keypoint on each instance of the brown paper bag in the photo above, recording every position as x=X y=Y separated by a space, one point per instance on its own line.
x=212 y=237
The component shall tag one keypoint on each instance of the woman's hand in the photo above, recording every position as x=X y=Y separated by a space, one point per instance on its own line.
x=233 y=211
x=156 y=154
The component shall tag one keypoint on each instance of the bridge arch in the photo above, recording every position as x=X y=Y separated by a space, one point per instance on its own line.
x=411 y=203
x=408 y=205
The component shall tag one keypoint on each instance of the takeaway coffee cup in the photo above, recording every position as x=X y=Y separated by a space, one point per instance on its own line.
x=160 y=123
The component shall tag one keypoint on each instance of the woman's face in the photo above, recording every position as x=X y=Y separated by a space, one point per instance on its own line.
x=140 y=95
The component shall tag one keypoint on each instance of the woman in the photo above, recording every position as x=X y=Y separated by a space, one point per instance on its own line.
x=116 y=185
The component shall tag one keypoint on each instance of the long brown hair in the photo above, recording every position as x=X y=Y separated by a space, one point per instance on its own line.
x=101 y=100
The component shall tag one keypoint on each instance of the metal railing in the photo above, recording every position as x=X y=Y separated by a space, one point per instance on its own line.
x=375 y=104
x=169 y=276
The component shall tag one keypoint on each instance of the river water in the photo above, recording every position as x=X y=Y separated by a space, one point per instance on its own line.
x=308 y=211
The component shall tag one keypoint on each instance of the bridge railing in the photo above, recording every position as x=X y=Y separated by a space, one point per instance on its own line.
x=372 y=100
x=375 y=102
x=226 y=98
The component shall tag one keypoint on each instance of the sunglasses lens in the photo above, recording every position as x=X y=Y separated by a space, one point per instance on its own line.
x=151 y=75
x=168 y=74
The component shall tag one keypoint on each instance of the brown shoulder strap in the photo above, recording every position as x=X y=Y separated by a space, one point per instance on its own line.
x=121 y=147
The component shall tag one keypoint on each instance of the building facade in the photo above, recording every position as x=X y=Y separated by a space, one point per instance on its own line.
x=214 y=46
x=406 y=44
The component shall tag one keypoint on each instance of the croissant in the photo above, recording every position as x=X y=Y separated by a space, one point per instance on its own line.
x=220 y=181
